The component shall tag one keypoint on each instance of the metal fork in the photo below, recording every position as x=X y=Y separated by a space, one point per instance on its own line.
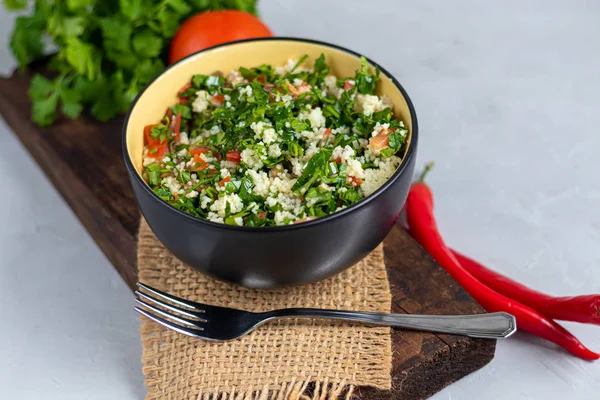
x=222 y=323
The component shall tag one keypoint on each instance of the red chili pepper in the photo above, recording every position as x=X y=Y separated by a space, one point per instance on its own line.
x=423 y=227
x=584 y=308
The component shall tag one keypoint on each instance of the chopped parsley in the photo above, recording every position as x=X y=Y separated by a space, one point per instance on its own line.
x=266 y=146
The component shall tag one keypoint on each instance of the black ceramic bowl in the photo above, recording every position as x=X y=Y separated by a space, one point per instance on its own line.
x=269 y=256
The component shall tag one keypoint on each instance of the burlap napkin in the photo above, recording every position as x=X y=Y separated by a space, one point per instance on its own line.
x=285 y=359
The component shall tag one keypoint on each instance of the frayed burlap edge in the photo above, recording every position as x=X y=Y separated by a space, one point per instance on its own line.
x=298 y=359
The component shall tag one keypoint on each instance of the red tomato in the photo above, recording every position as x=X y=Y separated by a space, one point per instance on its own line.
x=214 y=27
x=224 y=180
x=234 y=156
x=348 y=85
x=161 y=148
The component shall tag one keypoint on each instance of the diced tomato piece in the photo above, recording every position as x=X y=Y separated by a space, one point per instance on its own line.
x=354 y=181
x=348 y=85
x=147 y=131
x=260 y=78
x=224 y=180
x=262 y=215
x=304 y=220
x=296 y=91
x=183 y=99
x=184 y=88
x=176 y=196
x=381 y=140
x=199 y=166
x=198 y=158
x=156 y=149
x=217 y=100
x=326 y=136
x=197 y=150
x=234 y=156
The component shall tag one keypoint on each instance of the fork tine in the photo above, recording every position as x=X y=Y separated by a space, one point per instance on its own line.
x=176 y=318
x=168 y=306
x=197 y=333
x=174 y=299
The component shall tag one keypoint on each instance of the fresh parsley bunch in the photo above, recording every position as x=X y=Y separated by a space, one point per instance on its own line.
x=107 y=50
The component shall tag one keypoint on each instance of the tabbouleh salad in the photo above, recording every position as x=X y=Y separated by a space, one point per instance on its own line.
x=273 y=146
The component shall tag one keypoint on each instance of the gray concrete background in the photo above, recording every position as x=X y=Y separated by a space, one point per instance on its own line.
x=508 y=100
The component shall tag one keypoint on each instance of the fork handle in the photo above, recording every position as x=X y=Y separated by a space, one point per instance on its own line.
x=497 y=325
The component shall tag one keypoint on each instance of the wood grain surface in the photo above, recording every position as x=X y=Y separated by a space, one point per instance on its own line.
x=83 y=160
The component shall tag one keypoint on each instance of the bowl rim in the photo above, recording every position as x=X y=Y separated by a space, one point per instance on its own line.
x=410 y=152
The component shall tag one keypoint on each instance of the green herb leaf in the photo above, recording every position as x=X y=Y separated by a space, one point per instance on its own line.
x=180 y=6
x=316 y=168
x=199 y=80
x=59 y=25
x=116 y=34
x=131 y=9
x=184 y=109
x=71 y=103
x=365 y=81
x=75 y=5
x=147 y=44
x=299 y=63
x=82 y=57
x=108 y=49
x=14 y=5
x=148 y=69
x=26 y=40
x=154 y=171
x=43 y=111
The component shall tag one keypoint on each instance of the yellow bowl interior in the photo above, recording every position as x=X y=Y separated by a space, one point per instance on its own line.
x=162 y=93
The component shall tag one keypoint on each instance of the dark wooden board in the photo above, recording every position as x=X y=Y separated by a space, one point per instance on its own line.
x=83 y=160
